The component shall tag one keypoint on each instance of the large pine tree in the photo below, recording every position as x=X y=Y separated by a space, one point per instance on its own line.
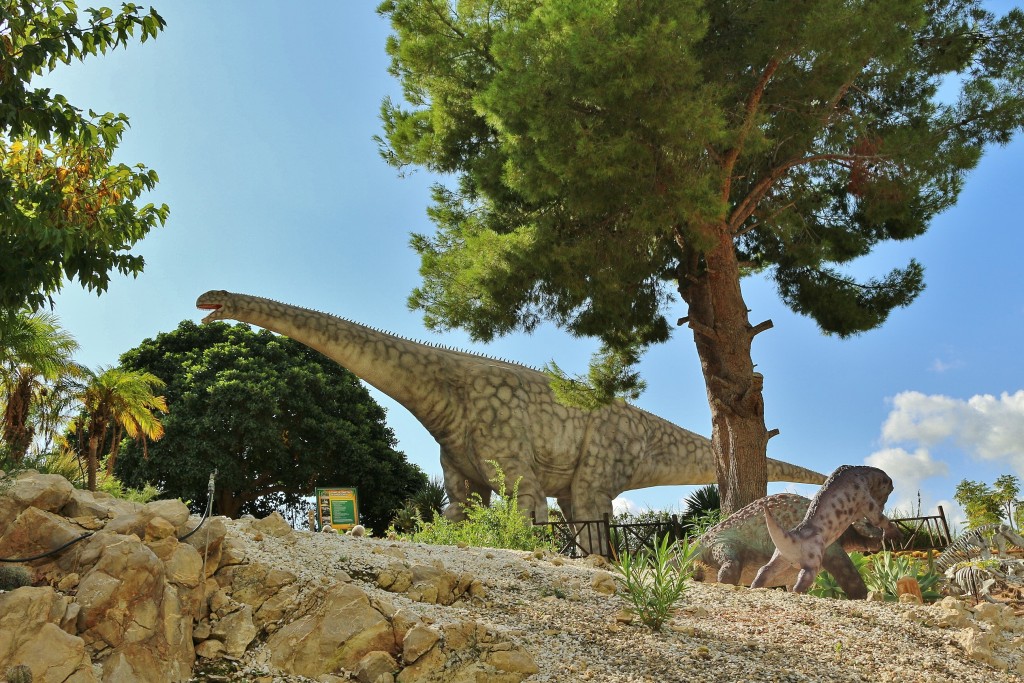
x=609 y=152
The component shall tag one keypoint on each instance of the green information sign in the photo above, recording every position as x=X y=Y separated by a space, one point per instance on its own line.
x=337 y=507
x=343 y=512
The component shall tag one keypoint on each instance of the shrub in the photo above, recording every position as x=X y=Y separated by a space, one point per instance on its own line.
x=14 y=576
x=654 y=581
x=499 y=525
x=826 y=586
x=882 y=571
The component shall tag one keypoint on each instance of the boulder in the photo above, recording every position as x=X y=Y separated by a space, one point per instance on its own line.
x=132 y=615
x=272 y=525
x=236 y=630
x=30 y=635
x=427 y=583
x=337 y=634
x=36 y=531
x=48 y=492
x=253 y=584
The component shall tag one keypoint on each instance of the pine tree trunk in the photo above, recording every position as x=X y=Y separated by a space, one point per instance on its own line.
x=709 y=283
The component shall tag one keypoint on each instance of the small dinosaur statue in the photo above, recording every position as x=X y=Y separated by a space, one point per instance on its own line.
x=850 y=493
x=483 y=411
x=739 y=545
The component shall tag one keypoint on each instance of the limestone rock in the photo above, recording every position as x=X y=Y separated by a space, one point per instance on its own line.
x=373 y=665
x=126 y=606
x=603 y=583
x=85 y=504
x=253 y=584
x=980 y=646
x=211 y=542
x=469 y=652
x=430 y=584
x=30 y=635
x=210 y=649
x=236 y=630
x=272 y=525
x=339 y=633
x=35 y=531
x=417 y=642
x=49 y=492
x=173 y=511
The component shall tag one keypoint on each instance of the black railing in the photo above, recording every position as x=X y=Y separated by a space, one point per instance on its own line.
x=579 y=538
x=924 y=533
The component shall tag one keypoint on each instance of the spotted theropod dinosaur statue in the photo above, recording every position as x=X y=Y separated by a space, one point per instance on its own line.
x=481 y=410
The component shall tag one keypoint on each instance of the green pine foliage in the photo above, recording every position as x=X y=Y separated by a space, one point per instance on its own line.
x=610 y=160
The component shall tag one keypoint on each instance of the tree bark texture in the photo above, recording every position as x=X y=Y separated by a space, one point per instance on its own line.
x=227 y=504
x=709 y=283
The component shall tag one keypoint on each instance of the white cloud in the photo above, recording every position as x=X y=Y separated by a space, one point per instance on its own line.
x=985 y=426
x=907 y=470
x=621 y=505
x=939 y=365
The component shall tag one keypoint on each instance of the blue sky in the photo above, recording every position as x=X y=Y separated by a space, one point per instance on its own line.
x=259 y=117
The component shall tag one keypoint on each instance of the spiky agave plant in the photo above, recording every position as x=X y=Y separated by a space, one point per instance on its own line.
x=431 y=500
x=703 y=509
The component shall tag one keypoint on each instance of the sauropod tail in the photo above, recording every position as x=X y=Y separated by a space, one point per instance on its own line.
x=784 y=541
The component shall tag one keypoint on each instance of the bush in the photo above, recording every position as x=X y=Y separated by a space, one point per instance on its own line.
x=499 y=525
x=654 y=581
x=881 y=572
x=884 y=569
x=14 y=576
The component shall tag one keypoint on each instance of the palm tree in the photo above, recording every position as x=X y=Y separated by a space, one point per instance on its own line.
x=117 y=403
x=35 y=353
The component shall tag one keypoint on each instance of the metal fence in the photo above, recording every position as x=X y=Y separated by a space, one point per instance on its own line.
x=579 y=538
x=924 y=533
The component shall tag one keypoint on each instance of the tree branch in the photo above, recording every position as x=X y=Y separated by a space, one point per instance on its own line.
x=761 y=327
x=746 y=208
x=749 y=117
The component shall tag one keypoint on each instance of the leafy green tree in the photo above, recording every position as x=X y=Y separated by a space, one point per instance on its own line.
x=116 y=403
x=611 y=155
x=35 y=358
x=275 y=418
x=986 y=504
x=66 y=210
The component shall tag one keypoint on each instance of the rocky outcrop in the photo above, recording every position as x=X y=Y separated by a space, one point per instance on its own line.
x=136 y=597
x=423 y=583
x=349 y=631
x=988 y=632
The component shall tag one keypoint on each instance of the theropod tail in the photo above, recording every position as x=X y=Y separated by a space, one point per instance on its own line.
x=786 y=543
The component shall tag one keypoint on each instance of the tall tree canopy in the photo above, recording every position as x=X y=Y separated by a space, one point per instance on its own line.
x=67 y=210
x=610 y=155
x=276 y=419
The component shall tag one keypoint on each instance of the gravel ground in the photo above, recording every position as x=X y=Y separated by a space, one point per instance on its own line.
x=720 y=633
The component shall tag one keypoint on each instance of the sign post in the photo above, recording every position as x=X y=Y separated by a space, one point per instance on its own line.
x=337 y=507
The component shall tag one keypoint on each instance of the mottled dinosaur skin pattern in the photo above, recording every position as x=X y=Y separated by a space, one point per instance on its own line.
x=850 y=493
x=480 y=409
x=738 y=546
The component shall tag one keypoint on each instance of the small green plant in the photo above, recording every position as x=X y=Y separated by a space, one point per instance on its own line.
x=826 y=586
x=883 y=570
x=498 y=525
x=655 y=580
x=14 y=576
